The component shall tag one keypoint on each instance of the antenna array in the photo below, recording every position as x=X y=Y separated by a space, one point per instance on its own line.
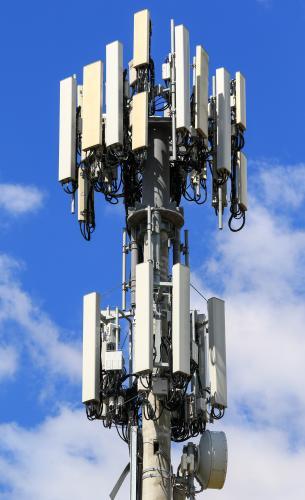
x=155 y=145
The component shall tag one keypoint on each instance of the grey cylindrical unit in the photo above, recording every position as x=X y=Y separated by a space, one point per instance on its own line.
x=156 y=168
x=213 y=459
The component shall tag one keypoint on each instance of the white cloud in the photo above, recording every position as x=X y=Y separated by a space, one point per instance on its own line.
x=262 y=273
x=8 y=361
x=17 y=199
x=279 y=187
x=39 y=334
x=65 y=457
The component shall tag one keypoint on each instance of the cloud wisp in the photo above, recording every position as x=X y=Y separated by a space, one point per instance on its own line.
x=8 y=361
x=17 y=199
x=36 y=332
x=65 y=457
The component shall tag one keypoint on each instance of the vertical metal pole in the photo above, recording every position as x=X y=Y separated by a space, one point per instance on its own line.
x=149 y=231
x=214 y=86
x=186 y=248
x=133 y=262
x=117 y=329
x=177 y=248
x=220 y=208
x=173 y=90
x=207 y=356
x=156 y=434
x=133 y=462
x=124 y=252
x=194 y=72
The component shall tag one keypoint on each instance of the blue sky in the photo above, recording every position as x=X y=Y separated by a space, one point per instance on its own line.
x=47 y=449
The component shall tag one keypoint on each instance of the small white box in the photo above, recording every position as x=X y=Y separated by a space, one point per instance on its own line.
x=160 y=386
x=67 y=130
x=182 y=63
x=166 y=71
x=181 y=319
x=92 y=105
x=223 y=109
x=113 y=360
x=139 y=120
x=141 y=38
x=114 y=94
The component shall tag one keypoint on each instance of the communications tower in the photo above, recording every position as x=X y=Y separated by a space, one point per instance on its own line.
x=153 y=145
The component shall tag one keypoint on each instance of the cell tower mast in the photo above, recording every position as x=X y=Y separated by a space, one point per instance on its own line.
x=154 y=146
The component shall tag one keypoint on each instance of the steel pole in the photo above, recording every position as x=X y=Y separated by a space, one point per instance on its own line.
x=156 y=434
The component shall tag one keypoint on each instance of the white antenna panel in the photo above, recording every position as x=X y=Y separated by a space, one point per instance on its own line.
x=143 y=334
x=240 y=100
x=182 y=62
x=181 y=319
x=92 y=105
x=242 y=181
x=217 y=345
x=114 y=94
x=139 y=120
x=201 y=91
x=91 y=348
x=67 y=130
x=223 y=109
x=141 y=38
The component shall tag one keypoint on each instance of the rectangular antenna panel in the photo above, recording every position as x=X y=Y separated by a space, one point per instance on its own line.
x=201 y=91
x=91 y=348
x=182 y=62
x=217 y=346
x=143 y=335
x=240 y=90
x=67 y=130
x=92 y=105
x=223 y=110
x=242 y=180
x=181 y=319
x=141 y=38
x=114 y=94
x=139 y=120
